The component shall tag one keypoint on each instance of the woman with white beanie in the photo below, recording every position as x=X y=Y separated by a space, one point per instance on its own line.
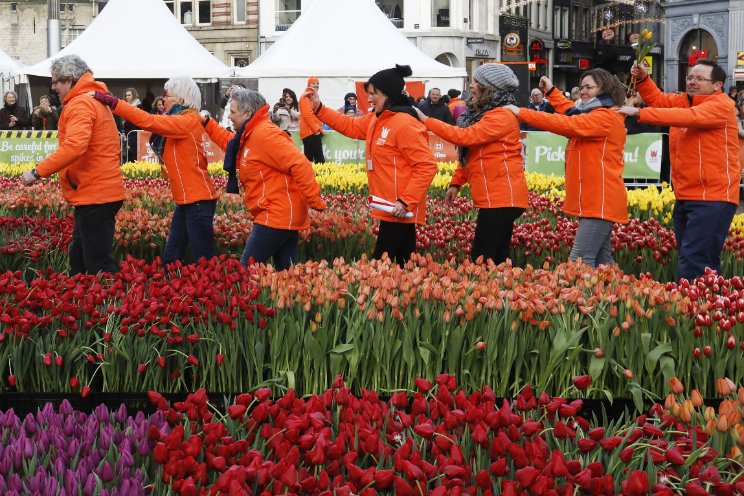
x=490 y=159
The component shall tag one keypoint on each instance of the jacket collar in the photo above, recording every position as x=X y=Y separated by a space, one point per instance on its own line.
x=85 y=83
x=261 y=115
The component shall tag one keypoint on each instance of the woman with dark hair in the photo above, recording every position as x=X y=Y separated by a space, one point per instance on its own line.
x=13 y=116
x=595 y=190
x=400 y=165
x=158 y=106
x=286 y=113
x=490 y=159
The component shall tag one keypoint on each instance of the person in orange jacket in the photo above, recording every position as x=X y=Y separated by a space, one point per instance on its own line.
x=311 y=129
x=490 y=159
x=278 y=182
x=706 y=171
x=87 y=161
x=400 y=165
x=178 y=141
x=595 y=190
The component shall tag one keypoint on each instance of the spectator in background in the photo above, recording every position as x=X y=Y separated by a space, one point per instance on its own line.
x=44 y=117
x=224 y=116
x=434 y=107
x=575 y=93
x=87 y=162
x=538 y=103
x=311 y=129
x=177 y=141
x=456 y=105
x=733 y=92
x=147 y=102
x=132 y=98
x=350 y=106
x=13 y=116
x=286 y=113
x=158 y=106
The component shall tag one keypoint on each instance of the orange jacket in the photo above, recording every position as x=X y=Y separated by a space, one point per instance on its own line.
x=594 y=158
x=183 y=156
x=88 y=157
x=494 y=168
x=455 y=102
x=278 y=181
x=309 y=123
x=400 y=165
x=703 y=142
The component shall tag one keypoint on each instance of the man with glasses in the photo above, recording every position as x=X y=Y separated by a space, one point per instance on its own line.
x=704 y=149
x=87 y=161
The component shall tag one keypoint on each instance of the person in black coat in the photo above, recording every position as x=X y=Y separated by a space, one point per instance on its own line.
x=435 y=107
x=13 y=117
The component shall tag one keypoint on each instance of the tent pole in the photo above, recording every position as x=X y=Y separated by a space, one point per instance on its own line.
x=54 y=33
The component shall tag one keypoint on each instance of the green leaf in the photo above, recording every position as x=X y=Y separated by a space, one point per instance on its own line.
x=427 y=350
x=645 y=342
x=342 y=348
x=596 y=366
x=637 y=395
x=652 y=358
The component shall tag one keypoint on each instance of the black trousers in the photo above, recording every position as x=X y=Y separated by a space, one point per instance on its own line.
x=93 y=238
x=313 y=146
x=397 y=240
x=493 y=232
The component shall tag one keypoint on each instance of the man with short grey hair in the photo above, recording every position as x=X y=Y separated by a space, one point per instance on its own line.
x=87 y=161
x=435 y=107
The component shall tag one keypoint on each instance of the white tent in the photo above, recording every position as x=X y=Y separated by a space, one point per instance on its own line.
x=341 y=49
x=138 y=39
x=10 y=70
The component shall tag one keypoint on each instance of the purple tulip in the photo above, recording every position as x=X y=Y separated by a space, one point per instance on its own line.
x=105 y=472
x=29 y=423
x=90 y=485
x=65 y=408
x=15 y=483
x=121 y=414
x=52 y=486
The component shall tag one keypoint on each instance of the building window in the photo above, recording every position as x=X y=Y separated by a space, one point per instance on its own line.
x=186 y=12
x=560 y=22
x=393 y=9
x=171 y=7
x=287 y=12
x=440 y=13
x=239 y=11
x=71 y=35
x=14 y=7
x=205 y=12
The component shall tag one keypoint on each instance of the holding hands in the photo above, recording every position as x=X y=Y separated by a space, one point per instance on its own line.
x=109 y=100
x=421 y=116
x=313 y=96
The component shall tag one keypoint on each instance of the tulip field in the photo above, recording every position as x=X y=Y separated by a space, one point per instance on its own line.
x=344 y=375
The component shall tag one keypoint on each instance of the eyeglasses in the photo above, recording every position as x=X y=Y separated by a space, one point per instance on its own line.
x=587 y=87
x=697 y=79
x=55 y=81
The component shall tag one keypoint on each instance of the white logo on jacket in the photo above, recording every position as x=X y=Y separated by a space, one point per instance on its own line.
x=383 y=135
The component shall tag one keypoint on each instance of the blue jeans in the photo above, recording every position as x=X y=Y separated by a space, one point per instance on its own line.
x=701 y=228
x=593 y=243
x=191 y=224
x=267 y=242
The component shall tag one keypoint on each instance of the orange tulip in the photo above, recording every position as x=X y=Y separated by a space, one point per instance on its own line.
x=685 y=414
x=709 y=426
x=669 y=402
x=709 y=413
x=725 y=386
x=723 y=424
x=676 y=385
x=697 y=398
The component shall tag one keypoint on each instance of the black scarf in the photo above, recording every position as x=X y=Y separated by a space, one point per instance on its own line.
x=230 y=163
x=157 y=142
x=499 y=98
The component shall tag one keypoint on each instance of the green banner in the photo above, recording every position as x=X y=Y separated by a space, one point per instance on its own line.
x=338 y=148
x=546 y=154
x=26 y=146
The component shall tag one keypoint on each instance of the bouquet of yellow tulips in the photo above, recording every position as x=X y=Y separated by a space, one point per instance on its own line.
x=642 y=47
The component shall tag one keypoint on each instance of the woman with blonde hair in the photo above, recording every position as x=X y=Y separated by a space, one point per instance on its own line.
x=178 y=142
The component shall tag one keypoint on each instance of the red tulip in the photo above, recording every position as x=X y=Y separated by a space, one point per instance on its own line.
x=12 y=380
x=423 y=385
x=582 y=382
x=637 y=483
x=141 y=368
x=236 y=411
x=85 y=391
x=74 y=382
x=220 y=358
